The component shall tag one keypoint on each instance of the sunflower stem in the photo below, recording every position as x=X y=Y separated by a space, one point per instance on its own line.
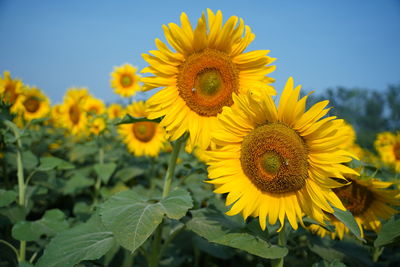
x=156 y=251
x=281 y=242
x=21 y=182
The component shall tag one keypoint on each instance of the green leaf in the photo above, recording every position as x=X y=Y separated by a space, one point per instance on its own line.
x=347 y=218
x=77 y=182
x=129 y=119
x=88 y=241
x=131 y=218
x=389 y=233
x=216 y=228
x=29 y=160
x=49 y=163
x=177 y=204
x=128 y=173
x=104 y=171
x=52 y=222
x=7 y=197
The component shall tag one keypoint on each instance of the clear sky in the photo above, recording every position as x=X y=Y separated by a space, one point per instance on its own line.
x=58 y=44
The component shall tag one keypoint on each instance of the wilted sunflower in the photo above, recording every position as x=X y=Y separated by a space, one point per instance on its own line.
x=72 y=110
x=125 y=81
x=200 y=76
x=368 y=200
x=276 y=162
x=388 y=146
x=115 y=111
x=9 y=88
x=32 y=103
x=144 y=138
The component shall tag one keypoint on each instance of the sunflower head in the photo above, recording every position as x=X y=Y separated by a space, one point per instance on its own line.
x=388 y=146
x=97 y=125
x=145 y=138
x=125 y=81
x=94 y=106
x=32 y=103
x=115 y=111
x=10 y=88
x=73 y=113
x=200 y=71
x=277 y=162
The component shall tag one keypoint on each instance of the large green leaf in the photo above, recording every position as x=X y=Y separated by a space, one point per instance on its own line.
x=104 y=171
x=52 y=222
x=389 y=233
x=131 y=218
x=76 y=183
x=49 y=163
x=88 y=241
x=177 y=204
x=215 y=227
x=7 y=197
x=347 y=218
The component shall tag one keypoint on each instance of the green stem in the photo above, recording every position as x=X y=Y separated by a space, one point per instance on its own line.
x=282 y=243
x=176 y=148
x=377 y=253
x=97 y=186
x=10 y=246
x=21 y=183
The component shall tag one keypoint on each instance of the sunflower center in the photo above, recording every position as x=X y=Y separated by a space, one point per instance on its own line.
x=126 y=80
x=355 y=197
x=74 y=114
x=274 y=157
x=396 y=150
x=144 y=131
x=206 y=81
x=9 y=92
x=32 y=104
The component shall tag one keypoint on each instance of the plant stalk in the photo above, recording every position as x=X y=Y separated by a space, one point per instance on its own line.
x=281 y=242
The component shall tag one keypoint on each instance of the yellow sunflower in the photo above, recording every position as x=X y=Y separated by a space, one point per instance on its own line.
x=32 y=103
x=9 y=88
x=369 y=200
x=94 y=106
x=125 y=81
x=200 y=76
x=276 y=162
x=73 y=115
x=115 y=111
x=142 y=138
x=388 y=146
x=56 y=115
x=97 y=125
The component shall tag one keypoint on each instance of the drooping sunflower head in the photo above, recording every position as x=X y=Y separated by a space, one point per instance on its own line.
x=32 y=103
x=10 y=88
x=94 y=106
x=276 y=162
x=125 y=81
x=115 y=111
x=145 y=138
x=388 y=146
x=369 y=200
x=73 y=113
x=205 y=67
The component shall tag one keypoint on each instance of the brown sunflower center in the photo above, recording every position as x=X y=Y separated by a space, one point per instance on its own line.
x=10 y=92
x=126 y=80
x=32 y=104
x=206 y=81
x=355 y=197
x=144 y=131
x=274 y=157
x=74 y=114
x=396 y=150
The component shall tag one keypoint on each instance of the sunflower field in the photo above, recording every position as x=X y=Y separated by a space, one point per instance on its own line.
x=214 y=169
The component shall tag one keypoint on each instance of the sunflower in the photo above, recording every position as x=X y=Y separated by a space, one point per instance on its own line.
x=94 y=106
x=32 y=103
x=9 y=88
x=125 y=81
x=97 y=125
x=115 y=111
x=200 y=76
x=144 y=138
x=369 y=200
x=73 y=115
x=56 y=115
x=388 y=146
x=276 y=162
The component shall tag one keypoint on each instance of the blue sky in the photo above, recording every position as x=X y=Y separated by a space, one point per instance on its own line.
x=58 y=44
